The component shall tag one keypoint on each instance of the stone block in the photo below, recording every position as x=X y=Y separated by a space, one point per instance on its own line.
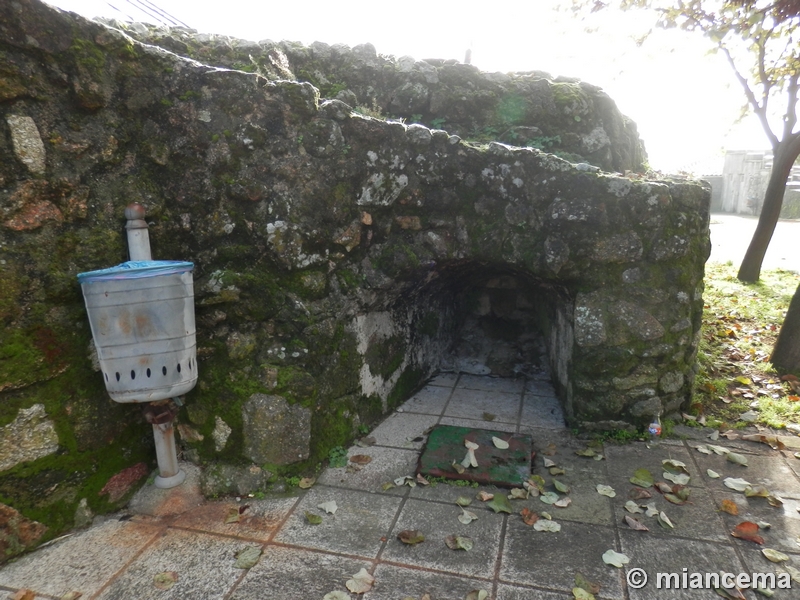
x=28 y=437
x=275 y=431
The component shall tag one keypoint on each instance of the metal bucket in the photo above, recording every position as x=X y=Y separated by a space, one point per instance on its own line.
x=142 y=319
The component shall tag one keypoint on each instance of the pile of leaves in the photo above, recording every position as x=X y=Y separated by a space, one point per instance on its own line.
x=741 y=323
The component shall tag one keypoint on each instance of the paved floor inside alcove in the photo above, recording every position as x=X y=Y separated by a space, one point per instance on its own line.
x=177 y=531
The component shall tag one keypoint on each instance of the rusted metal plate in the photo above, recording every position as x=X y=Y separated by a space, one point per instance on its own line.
x=507 y=468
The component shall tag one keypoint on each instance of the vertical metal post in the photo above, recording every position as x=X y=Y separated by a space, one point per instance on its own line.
x=138 y=234
x=169 y=474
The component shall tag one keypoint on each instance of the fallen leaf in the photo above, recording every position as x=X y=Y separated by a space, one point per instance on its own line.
x=537 y=481
x=247 y=557
x=366 y=442
x=329 y=507
x=487 y=416
x=793 y=573
x=675 y=499
x=467 y=516
x=421 y=480
x=738 y=459
x=679 y=478
x=361 y=459
x=410 y=537
x=498 y=443
x=703 y=449
x=517 y=494
x=556 y=471
x=585 y=584
x=770 y=440
x=313 y=519
x=549 y=497
x=484 y=496
x=747 y=530
x=642 y=478
x=719 y=450
x=548 y=463
x=550 y=450
x=477 y=595
x=458 y=468
x=674 y=466
x=758 y=491
x=500 y=504
x=738 y=484
x=528 y=516
x=606 y=490
x=615 y=559
x=387 y=485
x=774 y=501
x=561 y=487
x=546 y=515
x=664 y=521
x=586 y=452
x=71 y=596
x=458 y=542
x=713 y=474
x=162 y=581
x=750 y=416
x=638 y=493
x=547 y=525
x=663 y=487
x=361 y=582
x=764 y=525
x=774 y=555
x=337 y=595
x=400 y=481
x=306 y=482
x=463 y=501
x=635 y=523
x=651 y=511
x=582 y=594
x=729 y=506
x=233 y=515
x=632 y=507
x=563 y=502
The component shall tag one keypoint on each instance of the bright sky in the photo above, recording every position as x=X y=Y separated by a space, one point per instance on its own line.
x=684 y=102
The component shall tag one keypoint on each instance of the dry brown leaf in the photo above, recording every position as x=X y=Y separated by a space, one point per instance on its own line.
x=770 y=440
x=484 y=496
x=638 y=493
x=361 y=582
x=635 y=524
x=747 y=530
x=24 y=594
x=550 y=450
x=233 y=515
x=729 y=506
x=410 y=536
x=528 y=516
x=361 y=459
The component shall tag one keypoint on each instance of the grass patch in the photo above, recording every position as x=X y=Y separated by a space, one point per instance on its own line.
x=741 y=323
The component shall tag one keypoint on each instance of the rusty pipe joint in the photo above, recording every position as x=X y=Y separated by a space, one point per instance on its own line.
x=161 y=415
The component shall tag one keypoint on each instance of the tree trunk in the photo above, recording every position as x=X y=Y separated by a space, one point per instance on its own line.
x=783 y=160
x=786 y=354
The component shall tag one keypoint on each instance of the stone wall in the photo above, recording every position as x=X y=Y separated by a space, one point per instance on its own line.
x=337 y=257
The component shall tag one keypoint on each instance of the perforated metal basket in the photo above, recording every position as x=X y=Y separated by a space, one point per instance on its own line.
x=142 y=319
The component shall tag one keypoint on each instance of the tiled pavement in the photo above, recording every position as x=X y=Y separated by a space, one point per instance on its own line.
x=174 y=530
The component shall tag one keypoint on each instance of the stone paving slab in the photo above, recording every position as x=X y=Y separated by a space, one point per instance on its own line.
x=387 y=465
x=289 y=574
x=770 y=471
x=357 y=528
x=784 y=535
x=542 y=411
x=258 y=522
x=672 y=556
x=491 y=384
x=404 y=430
x=479 y=424
x=511 y=592
x=430 y=400
x=395 y=582
x=472 y=404
x=437 y=521
x=82 y=562
x=204 y=564
x=553 y=559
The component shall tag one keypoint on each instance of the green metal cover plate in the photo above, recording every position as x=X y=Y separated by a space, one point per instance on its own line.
x=507 y=468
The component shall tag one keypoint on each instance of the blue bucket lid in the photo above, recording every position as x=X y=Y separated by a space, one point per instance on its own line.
x=137 y=269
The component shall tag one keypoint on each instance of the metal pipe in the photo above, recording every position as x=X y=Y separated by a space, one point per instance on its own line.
x=169 y=474
x=138 y=234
